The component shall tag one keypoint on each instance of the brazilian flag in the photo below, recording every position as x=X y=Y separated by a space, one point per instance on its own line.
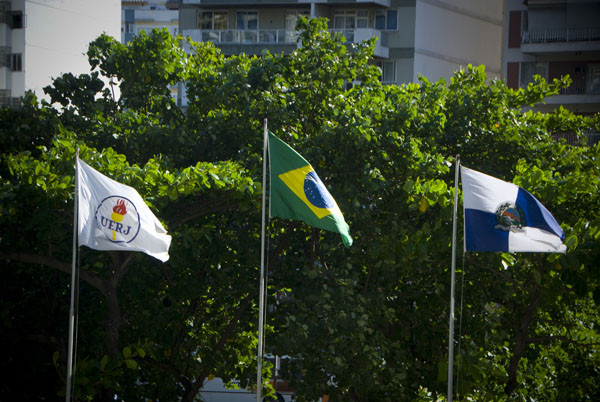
x=298 y=193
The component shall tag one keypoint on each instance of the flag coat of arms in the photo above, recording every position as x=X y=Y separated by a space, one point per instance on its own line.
x=298 y=193
x=502 y=217
x=113 y=216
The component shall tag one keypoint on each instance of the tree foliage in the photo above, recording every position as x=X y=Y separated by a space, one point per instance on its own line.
x=367 y=323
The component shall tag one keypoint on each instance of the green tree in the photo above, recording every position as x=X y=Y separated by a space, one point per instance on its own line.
x=367 y=323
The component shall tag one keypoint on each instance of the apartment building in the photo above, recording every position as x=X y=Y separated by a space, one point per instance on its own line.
x=140 y=15
x=41 y=40
x=553 y=38
x=433 y=38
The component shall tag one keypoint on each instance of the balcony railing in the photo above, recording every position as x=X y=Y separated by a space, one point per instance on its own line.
x=577 y=87
x=551 y=35
x=572 y=138
x=581 y=86
x=239 y=36
x=279 y=36
x=361 y=34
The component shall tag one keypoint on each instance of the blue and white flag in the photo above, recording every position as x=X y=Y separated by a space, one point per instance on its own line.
x=502 y=217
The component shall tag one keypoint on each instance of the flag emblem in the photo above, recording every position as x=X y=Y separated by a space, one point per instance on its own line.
x=307 y=185
x=118 y=219
x=510 y=216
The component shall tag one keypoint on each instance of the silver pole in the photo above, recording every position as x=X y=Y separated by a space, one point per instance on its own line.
x=451 y=332
x=73 y=270
x=261 y=297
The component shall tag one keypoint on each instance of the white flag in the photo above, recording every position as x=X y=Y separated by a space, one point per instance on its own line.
x=113 y=216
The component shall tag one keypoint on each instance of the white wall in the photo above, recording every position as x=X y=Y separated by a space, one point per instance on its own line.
x=57 y=35
x=451 y=34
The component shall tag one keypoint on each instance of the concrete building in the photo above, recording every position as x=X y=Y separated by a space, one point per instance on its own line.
x=140 y=15
x=433 y=38
x=553 y=38
x=43 y=39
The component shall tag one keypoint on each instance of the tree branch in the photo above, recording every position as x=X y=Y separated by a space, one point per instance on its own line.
x=51 y=262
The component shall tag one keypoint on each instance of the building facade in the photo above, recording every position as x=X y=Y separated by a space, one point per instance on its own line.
x=40 y=41
x=553 y=38
x=433 y=38
x=140 y=15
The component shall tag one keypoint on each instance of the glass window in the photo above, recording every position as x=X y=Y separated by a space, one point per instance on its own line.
x=386 y=20
x=221 y=20
x=347 y=19
x=205 y=20
x=392 y=20
x=16 y=62
x=388 y=71
x=16 y=19
x=362 y=19
x=338 y=20
x=247 y=20
x=594 y=79
x=350 y=20
x=213 y=20
x=529 y=69
x=292 y=17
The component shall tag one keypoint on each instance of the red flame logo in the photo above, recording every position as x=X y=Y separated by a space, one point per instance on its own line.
x=120 y=208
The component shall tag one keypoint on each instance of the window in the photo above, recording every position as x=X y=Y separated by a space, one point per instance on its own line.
x=292 y=17
x=4 y=56
x=386 y=20
x=213 y=20
x=247 y=20
x=593 y=79
x=16 y=62
x=4 y=12
x=362 y=19
x=529 y=69
x=5 y=99
x=388 y=71
x=16 y=19
x=129 y=15
x=344 y=19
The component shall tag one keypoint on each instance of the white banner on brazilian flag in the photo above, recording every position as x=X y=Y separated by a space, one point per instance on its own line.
x=113 y=216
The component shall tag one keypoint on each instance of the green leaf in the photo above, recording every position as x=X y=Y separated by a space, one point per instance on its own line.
x=103 y=362
x=131 y=364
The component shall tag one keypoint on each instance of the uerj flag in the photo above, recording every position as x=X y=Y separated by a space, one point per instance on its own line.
x=113 y=216
x=298 y=193
x=502 y=217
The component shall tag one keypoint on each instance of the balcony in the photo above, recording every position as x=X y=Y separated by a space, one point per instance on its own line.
x=572 y=138
x=581 y=86
x=157 y=15
x=562 y=35
x=240 y=36
x=361 y=34
x=561 y=40
x=582 y=97
x=268 y=37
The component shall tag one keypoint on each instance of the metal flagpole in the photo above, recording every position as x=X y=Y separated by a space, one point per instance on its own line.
x=261 y=297
x=451 y=331
x=73 y=276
